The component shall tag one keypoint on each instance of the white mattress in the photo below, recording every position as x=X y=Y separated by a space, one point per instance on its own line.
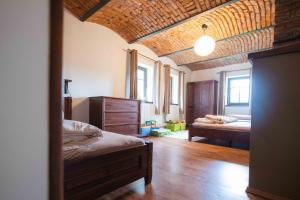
x=241 y=126
x=110 y=142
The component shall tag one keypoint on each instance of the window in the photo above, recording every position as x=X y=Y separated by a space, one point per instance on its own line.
x=145 y=83
x=174 y=89
x=238 y=91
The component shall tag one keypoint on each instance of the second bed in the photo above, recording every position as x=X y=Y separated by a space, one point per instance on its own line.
x=236 y=134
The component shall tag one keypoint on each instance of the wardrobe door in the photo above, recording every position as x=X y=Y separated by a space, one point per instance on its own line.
x=201 y=99
x=207 y=98
x=198 y=100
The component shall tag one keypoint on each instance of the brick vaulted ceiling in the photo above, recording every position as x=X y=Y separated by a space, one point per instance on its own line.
x=171 y=27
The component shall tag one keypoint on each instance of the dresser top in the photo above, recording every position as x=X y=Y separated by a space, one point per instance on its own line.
x=118 y=98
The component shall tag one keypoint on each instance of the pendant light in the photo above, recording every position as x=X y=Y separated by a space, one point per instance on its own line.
x=205 y=45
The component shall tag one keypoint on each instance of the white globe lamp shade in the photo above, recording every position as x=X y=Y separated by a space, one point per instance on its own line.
x=205 y=45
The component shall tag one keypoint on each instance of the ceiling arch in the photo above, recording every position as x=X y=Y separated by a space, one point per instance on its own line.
x=171 y=27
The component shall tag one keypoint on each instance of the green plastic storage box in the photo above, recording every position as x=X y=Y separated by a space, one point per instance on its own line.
x=182 y=126
x=174 y=127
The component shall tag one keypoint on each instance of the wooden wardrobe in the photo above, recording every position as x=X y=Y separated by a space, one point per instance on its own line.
x=201 y=99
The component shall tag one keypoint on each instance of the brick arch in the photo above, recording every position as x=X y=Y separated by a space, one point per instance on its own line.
x=240 y=44
x=238 y=26
x=222 y=20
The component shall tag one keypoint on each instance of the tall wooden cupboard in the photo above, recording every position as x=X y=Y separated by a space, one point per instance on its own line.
x=201 y=99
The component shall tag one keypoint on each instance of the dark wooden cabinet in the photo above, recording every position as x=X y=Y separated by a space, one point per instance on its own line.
x=201 y=99
x=115 y=114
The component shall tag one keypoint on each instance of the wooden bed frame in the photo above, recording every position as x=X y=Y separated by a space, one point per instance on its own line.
x=236 y=139
x=91 y=178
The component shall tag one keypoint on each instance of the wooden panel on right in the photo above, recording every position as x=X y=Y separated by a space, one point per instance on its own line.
x=275 y=134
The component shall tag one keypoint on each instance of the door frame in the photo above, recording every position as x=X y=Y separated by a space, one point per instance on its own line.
x=56 y=176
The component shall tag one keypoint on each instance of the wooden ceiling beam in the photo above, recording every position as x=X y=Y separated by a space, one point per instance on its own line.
x=183 y=21
x=222 y=57
x=224 y=39
x=94 y=9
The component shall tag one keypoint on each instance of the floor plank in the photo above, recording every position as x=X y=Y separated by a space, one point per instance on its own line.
x=191 y=171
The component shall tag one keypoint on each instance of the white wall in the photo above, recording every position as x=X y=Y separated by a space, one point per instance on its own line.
x=24 y=99
x=95 y=60
x=213 y=74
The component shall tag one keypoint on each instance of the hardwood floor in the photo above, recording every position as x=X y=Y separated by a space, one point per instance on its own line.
x=191 y=171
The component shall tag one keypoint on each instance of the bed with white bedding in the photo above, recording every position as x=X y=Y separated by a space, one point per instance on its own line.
x=96 y=146
x=235 y=131
x=238 y=126
x=97 y=162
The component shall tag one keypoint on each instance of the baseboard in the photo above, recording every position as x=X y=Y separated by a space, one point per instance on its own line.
x=266 y=195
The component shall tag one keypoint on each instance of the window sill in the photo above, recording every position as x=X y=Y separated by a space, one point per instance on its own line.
x=147 y=102
x=237 y=105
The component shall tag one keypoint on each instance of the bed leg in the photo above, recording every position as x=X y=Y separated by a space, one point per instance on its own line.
x=148 y=177
x=190 y=133
x=147 y=180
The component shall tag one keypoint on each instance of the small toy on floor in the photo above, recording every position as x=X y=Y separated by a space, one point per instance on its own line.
x=148 y=127
x=160 y=132
x=151 y=123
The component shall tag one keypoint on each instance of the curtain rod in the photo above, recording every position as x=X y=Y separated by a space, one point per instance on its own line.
x=235 y=70
x=128 y=50
x=176 y=69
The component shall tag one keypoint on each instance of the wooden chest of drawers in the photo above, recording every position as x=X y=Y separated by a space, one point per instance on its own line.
x=115 y=114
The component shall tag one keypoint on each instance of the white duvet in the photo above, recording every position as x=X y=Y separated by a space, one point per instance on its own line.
x=78 y=131
x=241 y=125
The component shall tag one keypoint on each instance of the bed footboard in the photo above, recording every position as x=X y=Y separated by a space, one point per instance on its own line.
x=148 y=177
x=94 y=177
x=236 y=139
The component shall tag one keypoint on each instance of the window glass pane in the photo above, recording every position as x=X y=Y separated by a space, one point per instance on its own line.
x=174 y=88
x=171 y=88
x=145 y=76
x=234 y=95
x=141 y=84
x=244 y=83
x=149 y=84
x=140 y=74
x=239 y=90
x=244 y=95
x=235 y=83
x=141 y=92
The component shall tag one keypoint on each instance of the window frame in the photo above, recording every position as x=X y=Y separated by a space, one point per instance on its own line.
x=229 y=91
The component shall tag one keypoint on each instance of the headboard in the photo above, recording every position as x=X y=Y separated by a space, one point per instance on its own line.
x=68 y=107
x=67 y=100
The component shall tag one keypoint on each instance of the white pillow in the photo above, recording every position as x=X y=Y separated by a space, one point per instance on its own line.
x=76 y=128
x=220 y=119
x=205 y=121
